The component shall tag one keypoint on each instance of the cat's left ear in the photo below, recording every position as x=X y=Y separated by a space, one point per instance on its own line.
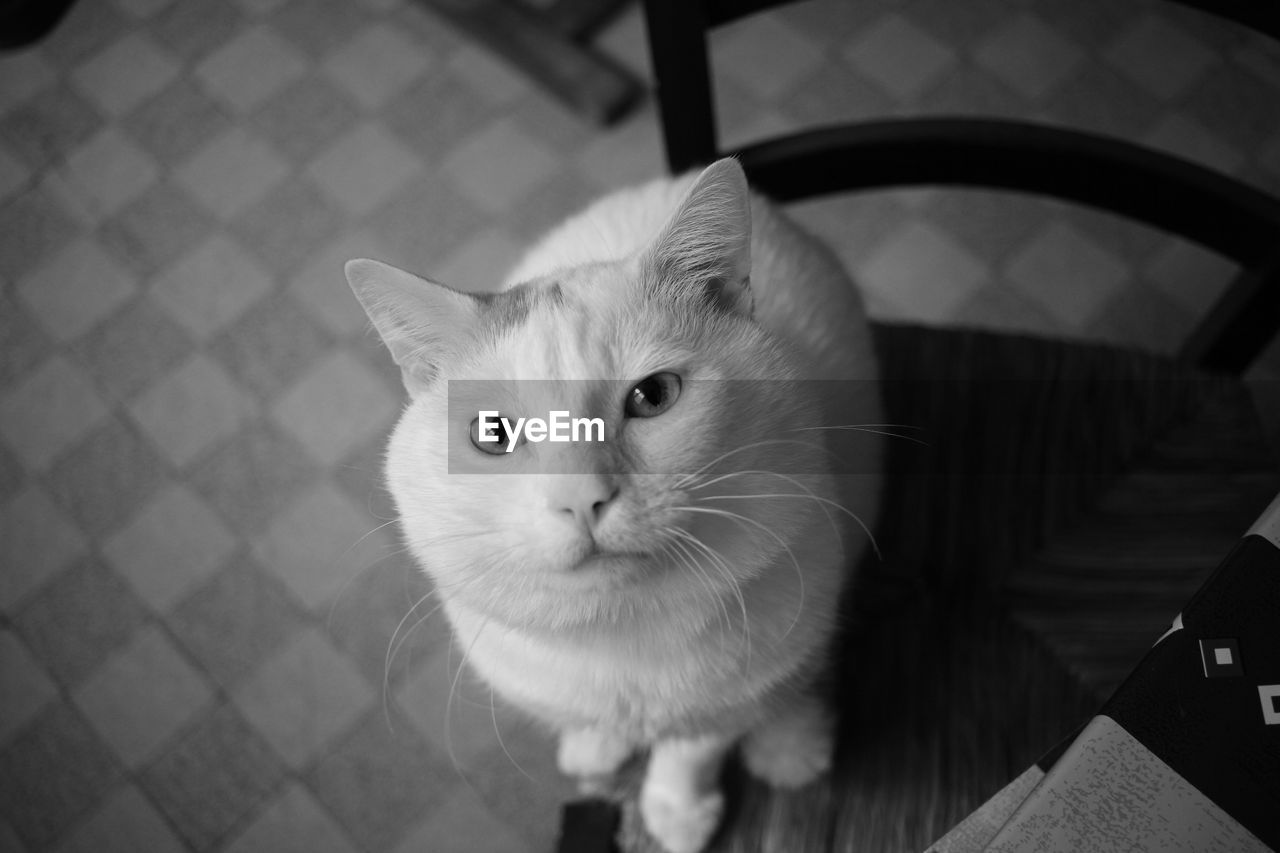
x=422 y=323
x=706 y=245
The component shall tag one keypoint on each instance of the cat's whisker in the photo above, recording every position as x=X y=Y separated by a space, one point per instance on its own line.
x=448 y=705
x=869 y=428
x=797 y=483
x=493 y=715
x=683 y=480
x=690 y=561
x=392 y=647
x=824 y=502
x=794 y=562
x=722 y=567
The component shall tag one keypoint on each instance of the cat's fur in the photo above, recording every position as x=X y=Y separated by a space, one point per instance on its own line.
x=608 y=602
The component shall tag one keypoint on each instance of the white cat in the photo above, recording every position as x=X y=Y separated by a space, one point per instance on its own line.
x=673 y=587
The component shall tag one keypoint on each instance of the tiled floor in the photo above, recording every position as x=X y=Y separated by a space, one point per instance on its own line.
x=199 y=595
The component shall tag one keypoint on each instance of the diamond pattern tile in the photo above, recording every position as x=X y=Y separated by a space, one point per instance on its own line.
x=142 y=696
x=363 y=168
x=377 y=64
x=24 y=684
x=901 y=57
x=93 y=598
x=38 y=541
x=193 y=408
x=251 y=68
x=1066 y=273
x=304 y=696
x=52 y=774
x=190 y=409
x=1029 y=56
x=765 y=55
x=125 y=822
x=176 y=542
x=211 y=286
x=76 y=288
x=1159 y=56
x=339 y=403
x=294 y=823
x=55 y=407
x=124 y=74
x=232 y=172
x=320 y=543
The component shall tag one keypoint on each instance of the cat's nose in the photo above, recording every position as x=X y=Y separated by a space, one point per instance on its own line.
x=583 y=497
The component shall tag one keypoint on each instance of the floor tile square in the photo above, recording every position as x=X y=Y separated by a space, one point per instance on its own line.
x=24 y=684
x=1029 y=56
x=125 y=73
x=1103 y=100
x=105 y=479
x=157 y=228
x=629 y=153
x=22 y=75
x=253 y=476
x=235 y=621
x=304 y=696
x=901 y=57
x=143 y=8
x=112 y=356
x=55 y=772
x=364 y=168
x=289 y=226
x=76 y=288
x=213 y=778
x=231 y=172
x=427 y=222
x=110 y=171
x=437 y=112
x=495 y=82
x=177 y=121
x=172 y=546
x=37 y=541
x=380 y=784
x=271 y=348
x=376 y=64
x=452 y=710
x=125 y=822
x=25 y=345
x=1159 y=56
x=521 y=787
x=338 y=404
x=54 y=407
x=211 y=286
x=34 y=225
x=304 y=118
x=41 y=131
x=924 y=271
x=1066 y=273
x=319 y=543
x=463 y=824
x=294 y=823
x=91 y=597
x=14 y=175
x=1192 y=277
x=499 y=165
x=250 y=68
x=480 y=264
x=193 y=30
x=317 y=26
x=194 y=406
x=141 y=696
x=765 y=55
x=1238 y=107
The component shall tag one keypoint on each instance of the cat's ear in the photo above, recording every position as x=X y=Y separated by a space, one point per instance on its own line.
x=421 y=322
x=706 y=245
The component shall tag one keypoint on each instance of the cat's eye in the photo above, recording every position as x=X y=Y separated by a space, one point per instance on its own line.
x=653 y=395
x=498 y=437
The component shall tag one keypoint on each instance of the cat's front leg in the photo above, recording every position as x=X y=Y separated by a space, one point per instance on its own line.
x=793 y=748
x=681 y=801
x=592 y=756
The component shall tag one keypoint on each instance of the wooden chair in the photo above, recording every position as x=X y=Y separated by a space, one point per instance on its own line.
x=1072 y=497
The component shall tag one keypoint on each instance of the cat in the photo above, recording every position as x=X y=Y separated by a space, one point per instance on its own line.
x=674 y=587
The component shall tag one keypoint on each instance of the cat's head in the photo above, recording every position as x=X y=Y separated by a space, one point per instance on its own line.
x=656 y=514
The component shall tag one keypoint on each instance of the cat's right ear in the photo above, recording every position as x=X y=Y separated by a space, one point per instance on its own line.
x=421 y=322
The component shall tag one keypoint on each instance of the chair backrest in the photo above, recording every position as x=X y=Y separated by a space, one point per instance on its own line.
x=1158 y=189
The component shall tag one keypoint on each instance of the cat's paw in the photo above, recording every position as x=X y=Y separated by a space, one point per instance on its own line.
x=792 y=750
x=679 y=823
x=592 y=756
